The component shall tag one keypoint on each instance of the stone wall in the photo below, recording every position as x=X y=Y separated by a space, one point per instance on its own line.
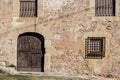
x=5 y=27
x=71 y=24
x=65 y=25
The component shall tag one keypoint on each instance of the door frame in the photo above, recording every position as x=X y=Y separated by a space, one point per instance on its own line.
x=42 y=46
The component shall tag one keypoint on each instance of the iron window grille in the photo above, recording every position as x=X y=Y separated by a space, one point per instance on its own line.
x=95 y=47
x=104 y=7
x=28 y=8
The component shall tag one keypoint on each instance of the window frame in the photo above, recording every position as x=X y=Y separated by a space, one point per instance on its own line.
x=105 y=18
x=103 y=10
x=23 y=13
x=95 y=47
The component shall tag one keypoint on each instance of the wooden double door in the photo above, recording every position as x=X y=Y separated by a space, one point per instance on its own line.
x=29 y=53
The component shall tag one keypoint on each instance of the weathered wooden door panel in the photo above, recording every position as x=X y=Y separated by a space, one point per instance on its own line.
x=23 y=59
x=29 y=57
x=36 y=60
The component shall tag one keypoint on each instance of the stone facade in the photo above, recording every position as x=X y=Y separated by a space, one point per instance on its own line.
x=65 y=24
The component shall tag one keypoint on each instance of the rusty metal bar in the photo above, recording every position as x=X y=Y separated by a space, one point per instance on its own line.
x=28 y=8
x=95 y=47
x=105 y=7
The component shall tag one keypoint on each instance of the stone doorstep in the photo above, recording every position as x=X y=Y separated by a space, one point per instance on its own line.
x=30 y=73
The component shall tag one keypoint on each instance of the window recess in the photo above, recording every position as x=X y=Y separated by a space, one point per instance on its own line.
x=95 y=47
x=28 y=8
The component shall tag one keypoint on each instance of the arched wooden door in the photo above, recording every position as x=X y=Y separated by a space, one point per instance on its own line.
x=29 y=53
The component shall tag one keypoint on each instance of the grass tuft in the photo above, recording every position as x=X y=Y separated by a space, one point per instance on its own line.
x=2 y=72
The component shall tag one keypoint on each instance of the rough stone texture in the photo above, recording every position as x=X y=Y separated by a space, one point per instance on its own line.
x=65 y=24
x=5 y=26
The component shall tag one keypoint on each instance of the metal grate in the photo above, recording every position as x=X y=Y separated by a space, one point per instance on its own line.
x=28 y=8
x=95 y=47
x=105 y=7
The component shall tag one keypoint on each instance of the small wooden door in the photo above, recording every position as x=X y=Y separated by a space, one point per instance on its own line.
x=29 y=54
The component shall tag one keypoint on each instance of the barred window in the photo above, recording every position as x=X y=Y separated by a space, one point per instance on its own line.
x=28 y=8
x=95 y=47
x=105 y=7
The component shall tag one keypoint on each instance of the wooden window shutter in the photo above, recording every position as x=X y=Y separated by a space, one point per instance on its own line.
x=105 y=7
x=28 y=8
